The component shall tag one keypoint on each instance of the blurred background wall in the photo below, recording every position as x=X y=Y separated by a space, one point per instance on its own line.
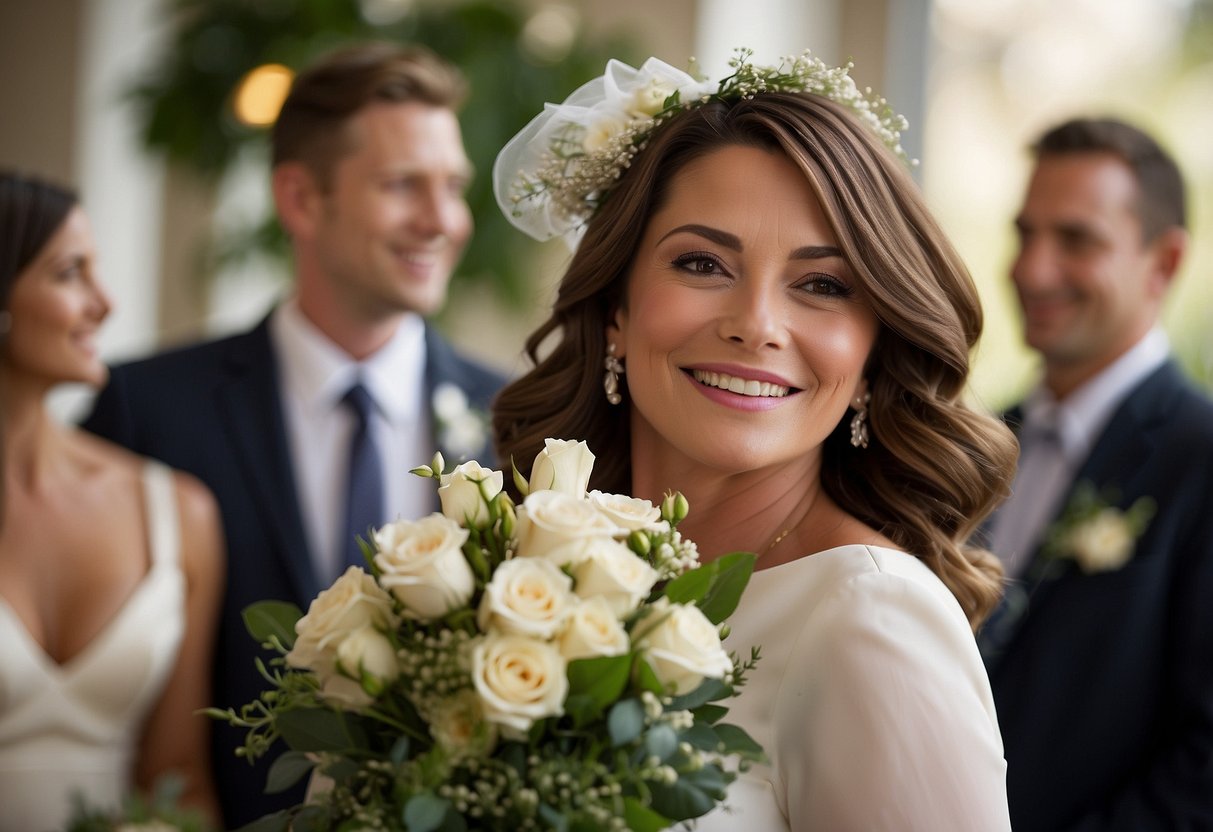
x=182 y=233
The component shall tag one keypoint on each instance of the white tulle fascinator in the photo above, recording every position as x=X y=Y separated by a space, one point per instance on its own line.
x=550 y=178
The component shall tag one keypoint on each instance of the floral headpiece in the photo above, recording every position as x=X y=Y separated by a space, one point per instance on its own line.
x=552 y=176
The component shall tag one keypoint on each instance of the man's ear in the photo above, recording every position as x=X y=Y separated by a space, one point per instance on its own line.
x=1167 y=250
x=297 y=198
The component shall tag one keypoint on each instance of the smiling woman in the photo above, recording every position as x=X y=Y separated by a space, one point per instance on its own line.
x=110 y=564
x=786 y=333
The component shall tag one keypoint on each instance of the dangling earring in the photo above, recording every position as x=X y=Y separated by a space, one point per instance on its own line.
x=859 y=423
x=610 y=382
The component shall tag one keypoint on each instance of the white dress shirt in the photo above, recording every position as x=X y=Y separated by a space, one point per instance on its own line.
x=315 y=375
x=1048 y=466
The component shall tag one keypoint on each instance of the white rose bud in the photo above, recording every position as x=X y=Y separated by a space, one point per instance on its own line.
x=466 y=491
x=343 y=692
x=527 y=596
x=593 y=630
x=354 y=601
x=519 y=680
x=613 y=572
x=631 y=513
x=649 y=100
x=1103 y=543
x=682 y=646
x=549 y=520
x=422 y=564
x=562 y=466
x=458 y=725
x=368 y=656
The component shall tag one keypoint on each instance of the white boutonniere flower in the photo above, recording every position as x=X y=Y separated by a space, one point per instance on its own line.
x=1094 y=533
x=462 y=430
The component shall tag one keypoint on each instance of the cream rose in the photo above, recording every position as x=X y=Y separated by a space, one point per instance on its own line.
x=611 y=571
x=629 y=513
x=601 y=130
x=458 y=725
x=1103 y=543
x=422 y=564
x=593 y=630
x=527 y=596
x=368 y=656
x=562 y=466
x=465 y=493
x=519 y=680
x=354 y=601
x=549 y=520
x=682 y=646
x=649 y=100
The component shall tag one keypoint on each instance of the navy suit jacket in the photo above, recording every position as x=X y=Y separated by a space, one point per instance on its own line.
x=214 y=410
x=1104 y=682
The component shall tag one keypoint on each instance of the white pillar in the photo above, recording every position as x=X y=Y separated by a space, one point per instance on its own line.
x=771 y=28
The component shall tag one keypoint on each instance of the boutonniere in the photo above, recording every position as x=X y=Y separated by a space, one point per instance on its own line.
x=1094 y=533
x=461 y=430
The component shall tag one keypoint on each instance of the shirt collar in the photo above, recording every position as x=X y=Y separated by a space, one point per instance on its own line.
x=320 y=372
x=1081 y=417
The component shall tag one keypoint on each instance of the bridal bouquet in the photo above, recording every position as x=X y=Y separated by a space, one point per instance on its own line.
x=552 y=665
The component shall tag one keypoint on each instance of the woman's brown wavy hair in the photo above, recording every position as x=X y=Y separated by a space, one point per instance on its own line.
x=935 y=468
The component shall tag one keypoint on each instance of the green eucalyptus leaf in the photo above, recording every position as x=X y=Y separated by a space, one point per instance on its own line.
x=709 y=690
x=594 y=684
x=288 y=769
x=680 y=800
x=715 y=587
x=661 y=741
x=710 y=714
x=645 y=678
x=320 y=729
x=267 y=619
x=702 y=736
x=625 y=722
x=641 y=818
x=425 y=812
x=709 y=779
x=737 y=741
x=400 y=751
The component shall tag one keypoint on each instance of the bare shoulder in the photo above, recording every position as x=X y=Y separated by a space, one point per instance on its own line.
x=202 y=548
x=95 y=455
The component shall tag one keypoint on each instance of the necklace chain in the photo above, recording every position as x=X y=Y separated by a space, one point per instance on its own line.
x=779 y=537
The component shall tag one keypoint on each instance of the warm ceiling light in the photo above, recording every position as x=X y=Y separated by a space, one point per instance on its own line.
x=260 y=94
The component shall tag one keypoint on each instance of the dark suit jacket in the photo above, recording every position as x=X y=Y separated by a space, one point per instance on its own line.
x=214 y=410
x=1104 y=682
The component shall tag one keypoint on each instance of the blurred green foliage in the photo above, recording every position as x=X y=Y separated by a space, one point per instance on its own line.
x=184 y=100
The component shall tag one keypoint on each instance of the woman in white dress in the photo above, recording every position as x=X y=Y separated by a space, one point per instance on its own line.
x=110 y=565
x=786 y=336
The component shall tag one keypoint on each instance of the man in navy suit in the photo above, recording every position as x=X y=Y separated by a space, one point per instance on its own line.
x=1101 y=657
x=369 y=174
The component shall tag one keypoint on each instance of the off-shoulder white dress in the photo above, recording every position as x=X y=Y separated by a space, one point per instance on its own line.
x=870 y=699
x=73 y=728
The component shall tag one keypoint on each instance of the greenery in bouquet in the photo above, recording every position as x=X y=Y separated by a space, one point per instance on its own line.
x=551 y=665
x=160 y=811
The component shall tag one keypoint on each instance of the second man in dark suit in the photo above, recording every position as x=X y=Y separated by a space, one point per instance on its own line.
x=1101 y=658
x=369 y=173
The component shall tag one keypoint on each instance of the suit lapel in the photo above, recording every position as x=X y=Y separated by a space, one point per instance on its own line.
x=1121 y=451
x=251 y=409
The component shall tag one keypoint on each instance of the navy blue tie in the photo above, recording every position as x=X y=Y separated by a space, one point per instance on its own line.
x=364 y=485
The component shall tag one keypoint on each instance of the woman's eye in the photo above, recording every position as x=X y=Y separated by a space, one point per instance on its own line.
x=699 y=263
x=822 y=284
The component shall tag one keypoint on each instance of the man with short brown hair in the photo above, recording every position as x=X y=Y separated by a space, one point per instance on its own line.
x=306 y=426
x=1101 y=658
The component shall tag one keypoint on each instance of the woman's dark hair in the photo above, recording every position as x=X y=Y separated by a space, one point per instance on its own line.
x=31 y=211
x=935 y=467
